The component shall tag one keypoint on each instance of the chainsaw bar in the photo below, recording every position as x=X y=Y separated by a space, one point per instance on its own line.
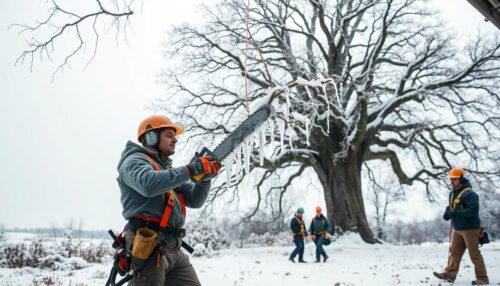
x=245 y=129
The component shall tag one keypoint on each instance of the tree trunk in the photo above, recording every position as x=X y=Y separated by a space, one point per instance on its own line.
x=343 y=196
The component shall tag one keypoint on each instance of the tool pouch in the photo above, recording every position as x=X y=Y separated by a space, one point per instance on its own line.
x=144 y=243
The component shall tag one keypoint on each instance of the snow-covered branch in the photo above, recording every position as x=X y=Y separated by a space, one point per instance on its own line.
x=64 y=23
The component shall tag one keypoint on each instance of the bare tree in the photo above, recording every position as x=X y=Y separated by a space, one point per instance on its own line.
x=384 y=192
x=62 y=23
x=405 y=90
x=280 y=208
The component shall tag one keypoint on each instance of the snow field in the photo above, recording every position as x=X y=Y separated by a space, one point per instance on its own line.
x=352 y=262
x=349 y=264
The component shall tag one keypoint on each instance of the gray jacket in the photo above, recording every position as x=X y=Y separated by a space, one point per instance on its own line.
x=143 y=189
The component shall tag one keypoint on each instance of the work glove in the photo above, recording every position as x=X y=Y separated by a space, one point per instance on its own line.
x=448 y=214
x=205 y=165
x=313 y=237
x=327 y=236
x=215 y=169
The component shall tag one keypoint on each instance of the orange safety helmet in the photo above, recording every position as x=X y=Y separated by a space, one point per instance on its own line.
x=456 y=173
x=155 y=122
x=318 y=209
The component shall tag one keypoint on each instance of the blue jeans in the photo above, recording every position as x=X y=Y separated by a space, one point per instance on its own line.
x=320 y=241
x=299 y=247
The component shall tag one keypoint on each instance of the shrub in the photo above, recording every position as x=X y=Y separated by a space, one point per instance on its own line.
x=68 y=254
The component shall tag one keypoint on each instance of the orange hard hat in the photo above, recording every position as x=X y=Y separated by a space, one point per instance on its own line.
x=318 y=209
x=157 y=122
x=456 y=173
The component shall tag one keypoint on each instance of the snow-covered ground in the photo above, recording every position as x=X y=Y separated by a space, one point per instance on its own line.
x=352 y=263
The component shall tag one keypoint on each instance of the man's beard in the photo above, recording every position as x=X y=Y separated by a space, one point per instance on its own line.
x=167 y=153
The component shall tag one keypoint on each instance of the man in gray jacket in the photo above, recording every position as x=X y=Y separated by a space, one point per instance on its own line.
x=154 y=195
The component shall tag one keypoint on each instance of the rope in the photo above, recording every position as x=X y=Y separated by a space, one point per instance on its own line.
x=247 y=36
x=269 y=79
x=247 y=32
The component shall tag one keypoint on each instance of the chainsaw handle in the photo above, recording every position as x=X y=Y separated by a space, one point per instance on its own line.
x=203 y=152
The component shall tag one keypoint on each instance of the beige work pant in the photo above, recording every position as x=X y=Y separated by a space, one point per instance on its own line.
x=461 y=240
x=174 y=269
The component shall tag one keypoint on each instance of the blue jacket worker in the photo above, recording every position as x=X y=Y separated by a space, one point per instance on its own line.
x=298 y=234
x=320 y=232
x=463 y=210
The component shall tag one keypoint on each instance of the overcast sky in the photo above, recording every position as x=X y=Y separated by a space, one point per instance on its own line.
x=61 y=141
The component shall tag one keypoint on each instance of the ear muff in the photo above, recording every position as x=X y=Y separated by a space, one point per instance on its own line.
x=150 y=138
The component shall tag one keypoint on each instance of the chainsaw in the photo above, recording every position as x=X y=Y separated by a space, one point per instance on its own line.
x=254 y=121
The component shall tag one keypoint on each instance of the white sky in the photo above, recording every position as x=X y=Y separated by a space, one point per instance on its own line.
x=61 y=141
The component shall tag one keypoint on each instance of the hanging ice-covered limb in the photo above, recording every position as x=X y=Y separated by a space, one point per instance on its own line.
x=336 y=93
x=244 y=158
x=282 y=134
x=228 y=163
x=262 y=139
x=247 y=150
x=302 y=118
x=286 y=111
x=271 y=128
x=288 y=103
x=238 y=158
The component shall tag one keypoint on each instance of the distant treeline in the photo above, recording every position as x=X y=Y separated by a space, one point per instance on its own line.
x=60 y=232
